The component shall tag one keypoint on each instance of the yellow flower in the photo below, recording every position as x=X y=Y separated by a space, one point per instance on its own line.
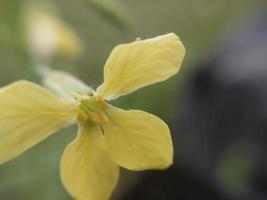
x=47 y=35
x=108 y=137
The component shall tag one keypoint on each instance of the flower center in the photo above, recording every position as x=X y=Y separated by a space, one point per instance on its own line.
x=93 y=109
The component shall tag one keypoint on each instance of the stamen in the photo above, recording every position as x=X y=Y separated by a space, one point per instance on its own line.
x=94 y=109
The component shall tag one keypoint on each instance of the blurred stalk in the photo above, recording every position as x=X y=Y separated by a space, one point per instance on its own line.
x=6 y=37
x=13 y=40
x=112 y=11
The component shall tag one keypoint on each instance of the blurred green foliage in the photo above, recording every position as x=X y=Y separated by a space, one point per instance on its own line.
x=112 y=11
x=235 y=169
x=101 y=25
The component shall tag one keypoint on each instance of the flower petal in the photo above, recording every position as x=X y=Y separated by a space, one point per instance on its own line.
x=141 y=63
x=138 y=140
x=87 y=171
x=28 y=114
x=64 y=85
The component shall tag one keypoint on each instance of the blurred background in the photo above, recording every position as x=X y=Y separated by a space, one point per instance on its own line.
x=216 y=106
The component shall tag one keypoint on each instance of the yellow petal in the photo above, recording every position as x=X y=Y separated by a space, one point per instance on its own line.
x=87 y=172
x=141 y=63
x=28 y=114
x=138 y=140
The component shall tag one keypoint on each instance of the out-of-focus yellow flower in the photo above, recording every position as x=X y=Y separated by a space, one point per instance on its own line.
x=47 y=35
x=108 y=137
